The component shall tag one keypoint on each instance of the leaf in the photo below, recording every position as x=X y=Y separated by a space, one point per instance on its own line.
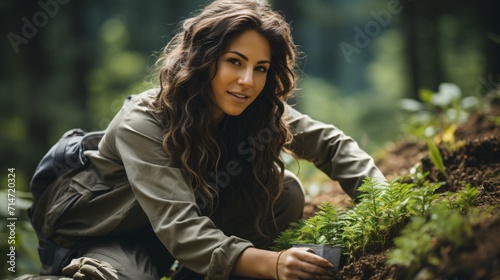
x=448 y=136
x=425 y=95
x=436 y=158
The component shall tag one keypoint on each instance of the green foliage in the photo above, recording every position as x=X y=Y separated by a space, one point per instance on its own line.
x=408 y=206
x=417 y=249
x=467 y=198
x=435 y=156
x=286 y=238
x=326 y=102
x=319 y=229
x=382 y=210
x=422 y=198
x=417 y=238
x=496 y=120
x=464 y=200
x=365 y=225
x=437 y=112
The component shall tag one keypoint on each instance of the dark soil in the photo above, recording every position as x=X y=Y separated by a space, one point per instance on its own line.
x=474 y=160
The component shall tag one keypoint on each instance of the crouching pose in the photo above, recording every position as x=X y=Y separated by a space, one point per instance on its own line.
x=191 y=170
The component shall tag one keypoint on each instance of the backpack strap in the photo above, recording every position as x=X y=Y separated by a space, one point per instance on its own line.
x=90 y=141
x=67 y=152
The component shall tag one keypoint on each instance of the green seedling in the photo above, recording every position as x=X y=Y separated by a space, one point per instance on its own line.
x=464 y=200
x=417 y=249
x=437 y=112
x=319 y=229
x=436 y=158
x=379 y=214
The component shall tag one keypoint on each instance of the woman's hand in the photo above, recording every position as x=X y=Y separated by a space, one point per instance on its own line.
x=85 y=268
x=300 y=263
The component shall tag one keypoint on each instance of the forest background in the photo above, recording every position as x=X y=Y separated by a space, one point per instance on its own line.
x=68 y=64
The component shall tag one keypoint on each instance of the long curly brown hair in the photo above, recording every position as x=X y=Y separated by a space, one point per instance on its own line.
x=248 y=144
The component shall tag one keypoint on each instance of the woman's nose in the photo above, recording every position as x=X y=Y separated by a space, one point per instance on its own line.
x=246 y=77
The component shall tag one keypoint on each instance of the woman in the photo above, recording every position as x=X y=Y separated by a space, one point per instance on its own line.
x=192 y=171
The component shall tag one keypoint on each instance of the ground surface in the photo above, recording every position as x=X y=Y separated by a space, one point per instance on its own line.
x=477 y=162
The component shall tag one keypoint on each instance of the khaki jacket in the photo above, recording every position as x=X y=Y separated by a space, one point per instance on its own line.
x=131 y=185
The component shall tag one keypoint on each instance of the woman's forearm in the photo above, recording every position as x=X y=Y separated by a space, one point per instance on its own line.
x=256 y=263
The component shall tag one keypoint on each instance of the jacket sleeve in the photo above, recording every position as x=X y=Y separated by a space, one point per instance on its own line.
x=167 y=199
x=333 y=152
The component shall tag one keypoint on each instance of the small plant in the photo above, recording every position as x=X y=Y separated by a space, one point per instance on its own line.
x=423 y=197
x=319 y=229
x=286 y=238
x=436 y=158
x=426 y=241
x=366 y=224
x=438 y=113
x=442 y=225
x=463 y=200
x=467 y=198
x=382 y=210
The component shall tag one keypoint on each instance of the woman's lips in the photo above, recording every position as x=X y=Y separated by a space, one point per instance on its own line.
x=238 y=97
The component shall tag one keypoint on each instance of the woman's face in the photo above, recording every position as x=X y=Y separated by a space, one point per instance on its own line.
x=241 y=74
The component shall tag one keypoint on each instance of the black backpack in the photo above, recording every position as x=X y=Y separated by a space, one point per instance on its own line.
x=66 y=155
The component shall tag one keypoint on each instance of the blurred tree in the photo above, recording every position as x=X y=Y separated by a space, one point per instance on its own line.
x=423 y=37
x=452 y=42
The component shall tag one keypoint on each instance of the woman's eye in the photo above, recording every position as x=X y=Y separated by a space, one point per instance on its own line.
x=261 y=69
x=234 y=61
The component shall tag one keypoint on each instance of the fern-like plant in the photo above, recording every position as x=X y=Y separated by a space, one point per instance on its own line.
x=322 y=228
x=383 y=208
x=416 y=248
